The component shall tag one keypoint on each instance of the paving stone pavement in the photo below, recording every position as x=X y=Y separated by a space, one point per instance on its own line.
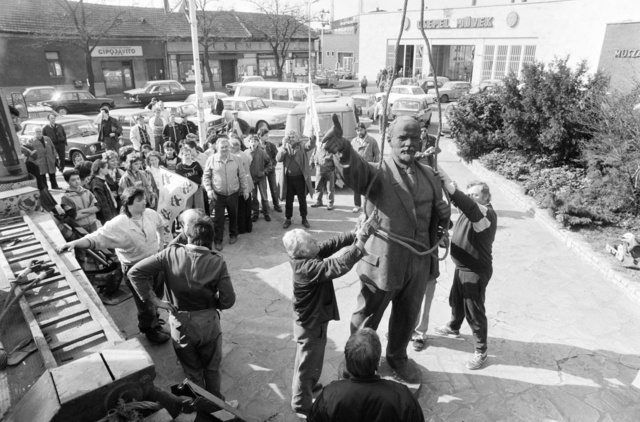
x=564 y=345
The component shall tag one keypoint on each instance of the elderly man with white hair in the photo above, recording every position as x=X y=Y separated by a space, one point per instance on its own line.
x=296 y=174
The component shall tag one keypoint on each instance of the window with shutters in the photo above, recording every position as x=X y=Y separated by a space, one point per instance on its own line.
x=53 y=62
x=487 y=61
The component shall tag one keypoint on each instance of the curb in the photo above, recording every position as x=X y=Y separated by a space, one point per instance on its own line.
x=573 y=241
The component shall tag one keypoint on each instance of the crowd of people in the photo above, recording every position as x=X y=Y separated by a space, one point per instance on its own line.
x=404 y=203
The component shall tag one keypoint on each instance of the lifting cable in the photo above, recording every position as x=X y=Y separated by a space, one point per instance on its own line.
x=414 y=246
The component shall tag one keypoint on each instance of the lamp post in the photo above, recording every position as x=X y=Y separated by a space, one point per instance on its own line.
x=323 y=13
x=309 y=3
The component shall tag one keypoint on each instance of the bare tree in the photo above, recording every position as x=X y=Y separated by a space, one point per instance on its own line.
x=76 y=25
x=278 y=23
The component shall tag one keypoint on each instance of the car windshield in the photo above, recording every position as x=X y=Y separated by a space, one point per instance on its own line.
x=417 y=91
x=448 y=85
x=256 y=104
x=406 y=105
x=79 y=128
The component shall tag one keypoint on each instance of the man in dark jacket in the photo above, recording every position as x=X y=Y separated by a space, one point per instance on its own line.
x=408 y=198
x=471 y=251
x=109 y=130
x=260 y=167
x=198 y=285
x=365 y=397
x=58 y=136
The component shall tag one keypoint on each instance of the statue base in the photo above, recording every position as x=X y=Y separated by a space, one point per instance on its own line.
x=19 y=196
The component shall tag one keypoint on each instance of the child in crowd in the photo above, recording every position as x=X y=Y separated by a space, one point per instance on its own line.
x=136 y=176
x=81 y=200
x=260 y=167
x=153 y=167
x=171 y=160
x=193 y=171
x=314 y=299
x=145 y=149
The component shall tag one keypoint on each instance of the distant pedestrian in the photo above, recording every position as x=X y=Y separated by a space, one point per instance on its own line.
x=46 y=157
x=56 y=133
x=271 y=150
x=141 y=134
x=471 y=251
x=366 y=147
x=157 y=124
x=109 y=130
x=363 y=84
x=245 y=222
x=325 y=177
x=172 y=131
x=260 y=166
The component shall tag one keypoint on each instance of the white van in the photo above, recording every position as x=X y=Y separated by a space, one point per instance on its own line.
x=277 y=94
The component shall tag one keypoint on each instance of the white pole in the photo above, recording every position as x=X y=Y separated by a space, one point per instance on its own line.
x=309 y=23
x=202 y=129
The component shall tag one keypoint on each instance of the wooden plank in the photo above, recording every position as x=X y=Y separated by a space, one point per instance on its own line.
x=220 y=403
x=40 y=403
x=54 y=298
x=64 y=315
x=53 y=279
x=57 y=345
x=13 y=225
x=72 y=382
x=38 y=336
x=25 y=256
x=23 y=244
x=126 y=358
x=110 y=331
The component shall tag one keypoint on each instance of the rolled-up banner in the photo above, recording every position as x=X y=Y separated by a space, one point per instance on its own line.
x=172 y=199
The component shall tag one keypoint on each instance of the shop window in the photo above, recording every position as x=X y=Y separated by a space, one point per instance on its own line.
x=487 y=61
x=53 y=62
x=501 y=61
x=515 y=55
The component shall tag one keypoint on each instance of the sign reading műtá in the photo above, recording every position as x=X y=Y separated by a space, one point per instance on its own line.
x=117 y=51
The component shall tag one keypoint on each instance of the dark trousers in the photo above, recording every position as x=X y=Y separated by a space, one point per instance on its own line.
x=296 y=187
x=147 y=312
x=230 y=204
x=260 y=186
x=52 y=180
x=363 y=89
x=159 y=141
x=197 y=341
x=245 y=225
x=406 y=302
x=271 y=178
x=325 y=182
x=357 y=199
x=111 y=143
x=467 y=302
x=60 y=150
x=310 y=345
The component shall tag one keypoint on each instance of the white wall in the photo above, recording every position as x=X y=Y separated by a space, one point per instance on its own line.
x=558 y=28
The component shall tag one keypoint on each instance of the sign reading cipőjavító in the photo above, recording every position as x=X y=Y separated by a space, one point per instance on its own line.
x=117 y=51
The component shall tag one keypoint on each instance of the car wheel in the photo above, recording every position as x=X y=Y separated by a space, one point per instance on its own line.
x=77 y=157
x=444 y=98
x=262 y=125
x=105 y=105
x=62 y=111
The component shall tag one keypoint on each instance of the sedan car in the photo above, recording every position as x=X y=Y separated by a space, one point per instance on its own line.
x=365 y=104
x=209 y=98
x=487 y=85
x=428 y=84
x=342 y=73
x=326 y=78
x=168 y=90
x=231 y=88
x=35 y=94
x=332 y=93
x=452 y=91
x=213 y=122
x=40 y=111
x=82 y=136
x=255 y=112
x=418 y=108
x=77 y=102
x=127 y=118
x=399 y=91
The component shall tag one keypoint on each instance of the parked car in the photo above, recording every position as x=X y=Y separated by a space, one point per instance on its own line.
x=213 y=122
x=332 y=93
x=167 y=90
x=428 y=83
x=40 y=111
x=35 y=94
x=326 y=78
x=418 y=108
x=278 y=94
x=342 y=73
x=451 y=91
x=77 y=102
x=209 y=98
x=405 y=81
x=365 y=104
x=399 y=91
x=127 y=118
x=487 y=85
x=231 y=88
x=255 y=112
x=82 y=136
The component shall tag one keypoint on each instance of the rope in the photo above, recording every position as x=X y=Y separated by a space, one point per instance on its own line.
x=401 y=240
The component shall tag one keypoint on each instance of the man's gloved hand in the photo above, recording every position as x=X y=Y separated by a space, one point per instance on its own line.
x=333 y=141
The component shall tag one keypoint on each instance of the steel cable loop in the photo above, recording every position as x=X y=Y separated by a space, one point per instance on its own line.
x=401 y=240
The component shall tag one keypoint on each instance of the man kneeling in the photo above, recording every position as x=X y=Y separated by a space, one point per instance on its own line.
x=365 y=397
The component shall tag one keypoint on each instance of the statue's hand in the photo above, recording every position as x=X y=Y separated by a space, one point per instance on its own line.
x=333 y=141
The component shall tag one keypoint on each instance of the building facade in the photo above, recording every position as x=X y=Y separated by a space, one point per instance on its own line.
x=479 y=40
x=620 y=56
x=339 y=45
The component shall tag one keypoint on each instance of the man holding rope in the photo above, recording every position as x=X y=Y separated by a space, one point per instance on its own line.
x=408 y=199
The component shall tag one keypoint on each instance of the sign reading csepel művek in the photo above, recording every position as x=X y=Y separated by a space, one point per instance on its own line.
x=117 y=51
x=627 y=54
x=468 y=22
